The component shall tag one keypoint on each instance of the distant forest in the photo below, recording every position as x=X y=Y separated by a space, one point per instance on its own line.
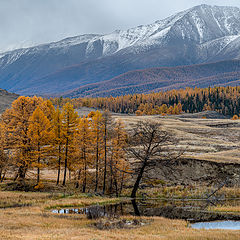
x=225 y=100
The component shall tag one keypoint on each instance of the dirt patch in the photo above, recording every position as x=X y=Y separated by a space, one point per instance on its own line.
x=193 y=171
x=108 y=224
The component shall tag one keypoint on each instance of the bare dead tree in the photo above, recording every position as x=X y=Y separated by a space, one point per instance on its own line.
x=148 y=145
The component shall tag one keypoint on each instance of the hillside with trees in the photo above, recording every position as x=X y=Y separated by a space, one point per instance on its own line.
x=225 y=73
x=224 y=100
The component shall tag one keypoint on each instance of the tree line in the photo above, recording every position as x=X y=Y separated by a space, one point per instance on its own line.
x=225 y=100
x=95 y=152
x=89 y=149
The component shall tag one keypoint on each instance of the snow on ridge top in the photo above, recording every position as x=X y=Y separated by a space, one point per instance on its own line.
x=74 y=40
x=147 y=34
x=121 y=39
x=201 y=23
x=140 y=35
x=213 y=7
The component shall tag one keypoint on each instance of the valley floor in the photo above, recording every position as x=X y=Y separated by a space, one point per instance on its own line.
x=37 y=222
x=27 y=215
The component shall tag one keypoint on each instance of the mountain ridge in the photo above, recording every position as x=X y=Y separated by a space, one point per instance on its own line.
x=201 y=34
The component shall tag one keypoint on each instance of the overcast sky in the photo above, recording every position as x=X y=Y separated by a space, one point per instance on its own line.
x=25 y=22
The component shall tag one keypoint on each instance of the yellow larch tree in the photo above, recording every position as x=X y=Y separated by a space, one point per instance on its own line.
x=83 y=143
x=118 y=164
x=70 y=123
x=107 y=127
x=40 y=135
x=97 y=135
x=3 y=155
x=16 y=123
x=58 y=141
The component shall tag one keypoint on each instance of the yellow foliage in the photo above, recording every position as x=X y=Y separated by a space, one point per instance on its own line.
x=235 y=117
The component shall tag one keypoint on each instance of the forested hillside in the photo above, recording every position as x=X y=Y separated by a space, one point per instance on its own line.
x=225 y=100
x=225 y=73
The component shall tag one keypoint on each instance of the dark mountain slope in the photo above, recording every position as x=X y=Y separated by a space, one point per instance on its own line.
x=155 y=79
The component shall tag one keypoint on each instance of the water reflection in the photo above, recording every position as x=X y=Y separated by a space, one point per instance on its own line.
x=193 y=211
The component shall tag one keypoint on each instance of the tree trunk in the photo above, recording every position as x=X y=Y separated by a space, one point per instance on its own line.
x=69 y=174
x=4 y=174
x=116 y=186
x=96 y=180
x=85 y=172
x=16 y=177
x=59 y=164
x=21 y=172
x=135 y=207
x=38 y=169
x=111 y=177
x=139 y=177
x=121 y=186
x=105 y=159
x=38 y=172
x=65 y=164
x=78 y=178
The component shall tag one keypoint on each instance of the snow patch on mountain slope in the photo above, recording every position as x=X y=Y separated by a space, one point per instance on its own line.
x=73 y=41
x=10 y=57
x=200 y=24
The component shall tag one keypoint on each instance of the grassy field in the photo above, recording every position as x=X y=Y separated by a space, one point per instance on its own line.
x=28 y=215
x=36 y=221
x=206 y=139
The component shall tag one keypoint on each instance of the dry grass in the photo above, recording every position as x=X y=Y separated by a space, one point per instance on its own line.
x=186 y=192
x=205 y=139
x=35 y=222
x=226 y=208
x=27 y=215
x=49 y=200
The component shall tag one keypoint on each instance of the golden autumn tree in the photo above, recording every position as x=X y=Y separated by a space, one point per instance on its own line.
x=3 y=155
x=83 y=143
x=16 y=121
x=40 y=136
x=107 y=125
x=97 y=135
x=58 y=141
x=118 y=163
x=70 y=123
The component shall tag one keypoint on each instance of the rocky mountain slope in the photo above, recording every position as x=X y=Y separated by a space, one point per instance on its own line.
x=6 y=99
x=198 y=35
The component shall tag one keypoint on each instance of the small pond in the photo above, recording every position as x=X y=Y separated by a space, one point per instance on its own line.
x=192 y=211
x=228 y=225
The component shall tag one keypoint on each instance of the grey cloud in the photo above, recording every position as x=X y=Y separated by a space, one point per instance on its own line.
x=26 y=22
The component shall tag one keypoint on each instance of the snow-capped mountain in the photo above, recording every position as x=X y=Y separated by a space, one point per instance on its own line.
x=198 y=35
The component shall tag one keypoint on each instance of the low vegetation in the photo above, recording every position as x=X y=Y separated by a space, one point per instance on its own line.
x=35 y=221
